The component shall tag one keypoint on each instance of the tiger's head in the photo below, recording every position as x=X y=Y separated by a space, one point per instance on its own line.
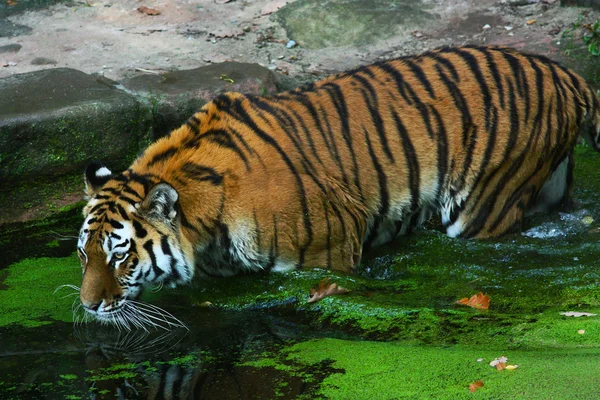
x=130 y=239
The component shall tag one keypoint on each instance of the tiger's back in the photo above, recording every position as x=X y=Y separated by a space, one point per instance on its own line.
x=478 y=135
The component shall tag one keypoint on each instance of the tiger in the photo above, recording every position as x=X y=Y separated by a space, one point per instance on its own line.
x=480 y=136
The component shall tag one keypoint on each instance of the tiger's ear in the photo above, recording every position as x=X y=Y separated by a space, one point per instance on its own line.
x=160 y=203
x=96 y=175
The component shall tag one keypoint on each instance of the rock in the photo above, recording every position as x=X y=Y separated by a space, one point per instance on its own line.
x=52 y=123
x=290 y=44
x=43 y=61
x=335 y=23
x=9 y=29
x=581 y=3
x=176 y=96
x=10 y=48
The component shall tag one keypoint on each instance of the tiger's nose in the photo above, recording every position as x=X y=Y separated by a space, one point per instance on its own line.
x=92 y=307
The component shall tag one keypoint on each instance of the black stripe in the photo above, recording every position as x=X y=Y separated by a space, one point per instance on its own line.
x=162 y=156
x=194 y=124
x=410 y=96
x=473 y=64
x=222 y=138
x=383 y=192
x=122 y=212
x=420 y=75
x=521 y=82
x=128 y=190
x=491 y=64
x=401 y=84
x=157 y=271
x=328 y=237
x=116 y=224
x=372 y=105
x=446 y=63
x=140 y=232
x=201 y=173
x=460 y=103
x=442 y=150
x=412 y=162
x=125 y=243
x=330 y=144
x=166 y=249
x=339 y=103
x=288 y=127
x=115 y=236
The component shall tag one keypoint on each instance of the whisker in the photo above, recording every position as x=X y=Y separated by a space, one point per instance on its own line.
x=157 y=310
x=76 y=288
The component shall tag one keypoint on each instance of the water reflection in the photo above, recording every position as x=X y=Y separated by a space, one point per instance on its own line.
x=95 y=361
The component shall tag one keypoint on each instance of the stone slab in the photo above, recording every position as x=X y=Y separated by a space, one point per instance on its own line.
x=175 y=96
x=595 y=4
x=52 y=123
x=336 y=23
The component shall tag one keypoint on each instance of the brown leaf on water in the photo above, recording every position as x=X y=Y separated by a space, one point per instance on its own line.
x=480 y=301
x=475 y=385
x=12 y=2
x=148 y=11
x=325 y=289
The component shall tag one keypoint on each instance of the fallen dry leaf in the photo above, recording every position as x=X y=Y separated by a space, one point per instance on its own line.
x=531 y=22
x=577 y=314
x=325 y=289
x=148 y=11
x=512 y=367
x=480 y=301
x=475 y=385
x=273 y=6
x=500 y=366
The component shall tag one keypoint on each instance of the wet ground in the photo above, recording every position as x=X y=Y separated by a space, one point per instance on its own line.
x=114 y=39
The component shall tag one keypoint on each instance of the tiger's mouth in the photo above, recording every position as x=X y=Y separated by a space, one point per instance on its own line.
x=128 y=314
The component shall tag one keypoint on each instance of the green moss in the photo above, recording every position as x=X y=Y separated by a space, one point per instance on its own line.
x=69 y=377
x=108 y=376
x=52 y=243
x=375 y=370
x=30 y=300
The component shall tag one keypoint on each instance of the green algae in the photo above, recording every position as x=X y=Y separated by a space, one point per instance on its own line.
x=376 y=370
x=30 y=299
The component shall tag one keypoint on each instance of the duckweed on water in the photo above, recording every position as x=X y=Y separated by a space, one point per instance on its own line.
x=376 y=370
x=30 y=300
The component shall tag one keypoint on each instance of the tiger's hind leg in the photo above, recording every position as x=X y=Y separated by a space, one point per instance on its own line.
x=556 y=194
x=492 y=211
